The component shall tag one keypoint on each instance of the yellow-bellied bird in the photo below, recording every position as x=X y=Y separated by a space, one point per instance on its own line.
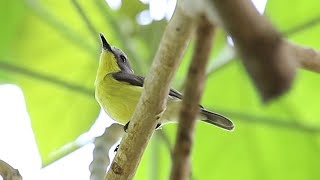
x=118 y=89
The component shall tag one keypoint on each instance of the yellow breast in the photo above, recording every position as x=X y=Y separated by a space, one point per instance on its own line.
x=118 y=99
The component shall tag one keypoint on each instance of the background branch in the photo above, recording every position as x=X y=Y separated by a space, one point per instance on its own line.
x=153 y=99
x=102 y=146
x=308 y=58
x=264 y=53
x=228 y=53
x=190 y=107
x=8 y=172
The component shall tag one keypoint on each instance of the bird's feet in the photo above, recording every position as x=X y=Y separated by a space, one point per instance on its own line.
x=125 y=127
x=116 y=149
x=158 y=125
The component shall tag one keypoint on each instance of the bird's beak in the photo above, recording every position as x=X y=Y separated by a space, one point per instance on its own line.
x=105 y=44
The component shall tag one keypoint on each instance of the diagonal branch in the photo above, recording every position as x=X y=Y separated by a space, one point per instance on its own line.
x=228 y=54
x=8 y=172
x=153 y=99
x=307 y=58
x=102 y=145
x=195 y=83
x=264 y=53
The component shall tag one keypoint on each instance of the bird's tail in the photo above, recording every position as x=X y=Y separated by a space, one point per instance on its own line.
x=216 y=119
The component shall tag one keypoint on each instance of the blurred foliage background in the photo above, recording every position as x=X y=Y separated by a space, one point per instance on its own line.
x=51 y=48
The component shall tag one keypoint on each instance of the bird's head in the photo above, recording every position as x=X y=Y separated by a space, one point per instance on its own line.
x=113 y=59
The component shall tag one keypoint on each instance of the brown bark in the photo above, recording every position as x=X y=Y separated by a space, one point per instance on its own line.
x=153 y=99
x=190 y=108
x=265 y=54
x=8 y=172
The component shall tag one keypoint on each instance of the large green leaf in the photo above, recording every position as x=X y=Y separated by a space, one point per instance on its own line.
x=10 y=26
x=56 y=75
x=298 y=13
x=16 y=11
x=51 y=50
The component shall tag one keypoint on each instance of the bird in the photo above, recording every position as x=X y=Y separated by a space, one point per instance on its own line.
x=118 y=89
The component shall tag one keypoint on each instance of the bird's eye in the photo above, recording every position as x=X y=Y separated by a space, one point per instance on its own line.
x=123 y=58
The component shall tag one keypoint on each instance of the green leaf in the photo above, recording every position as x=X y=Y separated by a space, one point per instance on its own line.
x=10 y=26
x=56 y=74
x=298 y=13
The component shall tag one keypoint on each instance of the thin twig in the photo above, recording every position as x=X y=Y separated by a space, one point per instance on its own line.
x=228 y=54
x=8 y=172
x=46 y=78
x=103 y=144
x=153 y=99
x=85 y=19
x=181 y=167
x=307 y=58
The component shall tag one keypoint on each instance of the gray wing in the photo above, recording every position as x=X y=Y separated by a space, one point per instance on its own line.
x=139 y=81
x=210 y=117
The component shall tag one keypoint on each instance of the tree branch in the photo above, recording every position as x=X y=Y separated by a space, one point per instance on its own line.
x=103 y=144
x=228 y=54
x=153 y=99
x=190 y=107
x=307 y=58
x=264 y=53
x=8 y=172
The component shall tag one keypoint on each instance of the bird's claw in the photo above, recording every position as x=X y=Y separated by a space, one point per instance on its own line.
x=125 y=127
